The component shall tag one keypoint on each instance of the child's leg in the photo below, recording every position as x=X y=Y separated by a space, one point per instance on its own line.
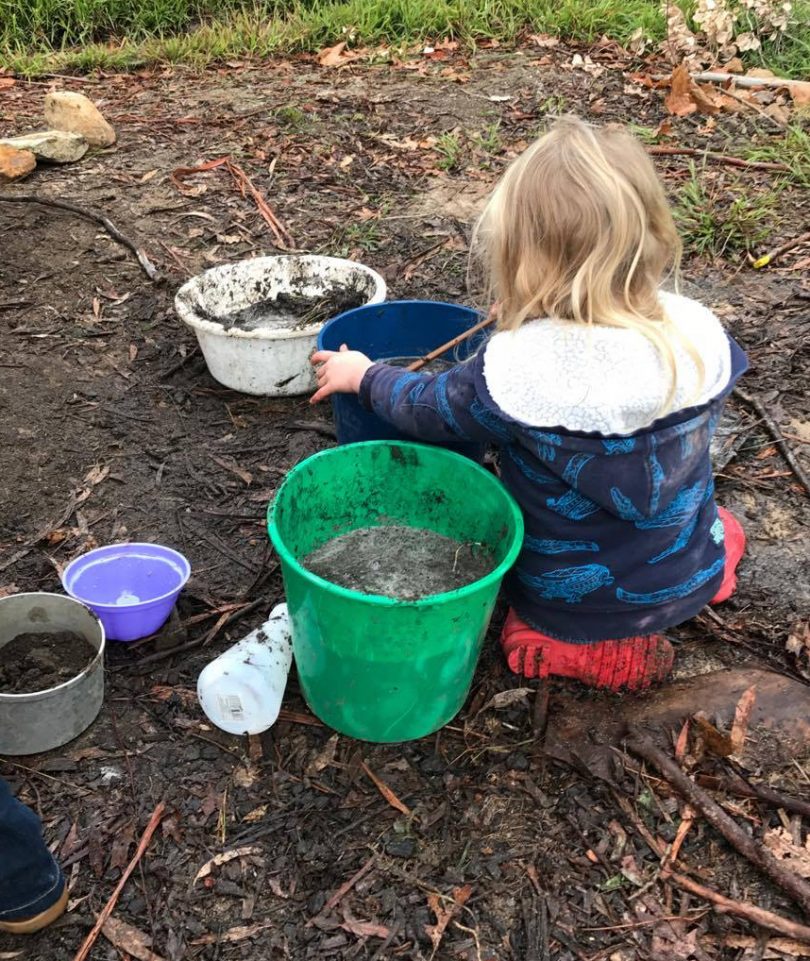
x=32 y=888
x=735 y=546
x=631 y=664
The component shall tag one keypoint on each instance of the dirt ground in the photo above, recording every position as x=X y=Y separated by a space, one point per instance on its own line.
x=518 y=842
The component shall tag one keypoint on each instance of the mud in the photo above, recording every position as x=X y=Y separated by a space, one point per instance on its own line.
x=36 y=662
x=405 y=563
x=292 y=310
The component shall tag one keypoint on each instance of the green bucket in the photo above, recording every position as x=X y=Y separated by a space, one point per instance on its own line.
x=370 y=666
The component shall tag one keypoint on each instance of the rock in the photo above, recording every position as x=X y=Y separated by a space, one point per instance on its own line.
x=77 y=114
x=15 y=164
x=54 y=146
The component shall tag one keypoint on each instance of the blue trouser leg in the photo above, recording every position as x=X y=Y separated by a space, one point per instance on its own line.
x=30 y=879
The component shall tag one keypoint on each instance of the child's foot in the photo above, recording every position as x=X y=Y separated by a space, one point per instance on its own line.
x=38 y=921
x=734 y=536
x=631 y=664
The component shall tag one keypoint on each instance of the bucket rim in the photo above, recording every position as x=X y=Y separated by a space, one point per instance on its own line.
x=385 y=304
x=77 y=678
x=380 y=600
x=188 y=316
x=108 y=548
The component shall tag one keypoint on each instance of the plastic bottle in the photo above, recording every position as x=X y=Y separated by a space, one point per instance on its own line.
x=241 y=690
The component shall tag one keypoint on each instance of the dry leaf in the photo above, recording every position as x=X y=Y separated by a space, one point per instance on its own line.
x=782 y=846
x=544 y=40
x=683 y=742
x=679 y=100
x=223 y=858
x=336 y=56
x=96 y=475
x=8 y=589
x=324 y=758
x=240 y=472
x=129 y=940
x=123 y=840
x=4 y=83
x=363 y=929
x=742 y=715
x=445 y=913
x=386 y=791
x=798 y=644
x=240 y=933
x=517 y=695
x=133 y=352
x=800 y=92
x=245 y=775
x=707 y=99
x=257 y=814
x=717 y=743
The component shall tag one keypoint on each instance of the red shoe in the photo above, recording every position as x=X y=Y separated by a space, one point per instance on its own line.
x=734 y=536
x=630 y=664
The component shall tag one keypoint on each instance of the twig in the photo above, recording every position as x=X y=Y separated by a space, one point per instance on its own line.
x=148 y=267
x=770 y=257
x=750 y=912
x=419 y=364
x=742 y=81
x=776 y=433
x=316 y=426
x=664 y=151
x=245 y=186
x=731 y=92
x=343 y=890
x=742 y=787
x=226 y=619
x=109 y=907
x=796 y=887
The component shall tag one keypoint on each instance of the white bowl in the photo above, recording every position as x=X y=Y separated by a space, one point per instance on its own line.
x=268 y=361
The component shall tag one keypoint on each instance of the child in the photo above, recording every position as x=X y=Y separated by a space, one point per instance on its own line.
x=32 y=889
x=602 y=393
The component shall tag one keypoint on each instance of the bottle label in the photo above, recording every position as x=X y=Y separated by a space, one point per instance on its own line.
x=231 y=706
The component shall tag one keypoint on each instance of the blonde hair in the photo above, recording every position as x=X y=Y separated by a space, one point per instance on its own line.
x=579 y=229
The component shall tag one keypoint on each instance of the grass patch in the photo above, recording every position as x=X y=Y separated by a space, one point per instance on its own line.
x=792 y=149
x=723 y=222
x=37 y=36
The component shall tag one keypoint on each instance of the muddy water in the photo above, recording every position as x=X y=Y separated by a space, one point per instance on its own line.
x=405 y=563
x=291 y=310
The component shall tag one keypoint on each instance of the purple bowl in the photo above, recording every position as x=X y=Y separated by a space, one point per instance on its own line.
x=132 y=588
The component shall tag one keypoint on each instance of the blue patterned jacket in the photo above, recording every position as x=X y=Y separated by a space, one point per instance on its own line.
x=622 y=533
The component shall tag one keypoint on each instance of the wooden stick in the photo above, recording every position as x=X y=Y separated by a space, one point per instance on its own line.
x=769 y=258
x=663 y=151
x=750 y=912
x=148 y=267
x=109 y=907
x=742 y=787
x=419 y=364
x=343 y=890
x=796 y=887
x=776 y=434
x=742 y=81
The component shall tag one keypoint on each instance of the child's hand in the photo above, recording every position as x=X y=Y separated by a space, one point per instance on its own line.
x=341 y=372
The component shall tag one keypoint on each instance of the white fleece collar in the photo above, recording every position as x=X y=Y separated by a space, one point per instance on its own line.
x=555 y=373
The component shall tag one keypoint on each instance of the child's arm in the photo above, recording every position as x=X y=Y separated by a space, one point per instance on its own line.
x=432 y=407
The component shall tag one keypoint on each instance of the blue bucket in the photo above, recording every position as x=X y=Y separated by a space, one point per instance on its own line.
x=396 y=329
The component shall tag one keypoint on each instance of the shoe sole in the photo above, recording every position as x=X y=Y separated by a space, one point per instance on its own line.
x=39 y=921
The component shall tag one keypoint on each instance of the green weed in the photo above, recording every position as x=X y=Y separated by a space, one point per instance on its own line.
x=449 y=149
x=489 y=139
x=721 y=222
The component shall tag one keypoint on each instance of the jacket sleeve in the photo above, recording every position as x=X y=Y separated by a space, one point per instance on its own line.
x=435 y=407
